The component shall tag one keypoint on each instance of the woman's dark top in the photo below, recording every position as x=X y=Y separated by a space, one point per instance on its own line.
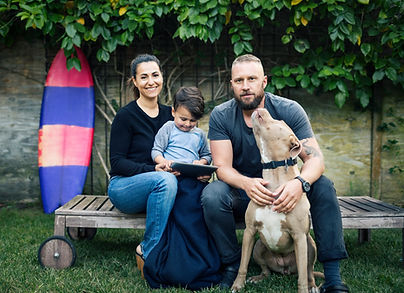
x=132 y=138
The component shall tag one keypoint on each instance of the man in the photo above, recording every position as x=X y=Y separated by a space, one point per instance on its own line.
x=235 y=152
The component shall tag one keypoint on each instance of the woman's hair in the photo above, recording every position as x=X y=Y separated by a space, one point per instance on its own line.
x=133 y=70
x=191 y=98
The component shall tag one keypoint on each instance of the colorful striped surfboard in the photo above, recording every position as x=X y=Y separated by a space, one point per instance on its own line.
x=65 y=132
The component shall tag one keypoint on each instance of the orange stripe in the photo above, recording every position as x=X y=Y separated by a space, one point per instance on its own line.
x=64 y=145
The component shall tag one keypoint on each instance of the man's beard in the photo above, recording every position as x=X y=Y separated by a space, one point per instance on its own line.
x=251 y=105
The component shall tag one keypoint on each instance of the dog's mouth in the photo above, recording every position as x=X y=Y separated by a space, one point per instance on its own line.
x=257 y=116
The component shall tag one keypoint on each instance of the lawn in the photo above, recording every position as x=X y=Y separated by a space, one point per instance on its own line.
x=107 y=263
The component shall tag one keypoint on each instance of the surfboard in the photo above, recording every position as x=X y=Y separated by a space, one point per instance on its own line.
x=66 y=130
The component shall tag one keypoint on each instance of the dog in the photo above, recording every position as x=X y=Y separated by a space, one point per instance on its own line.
x=285 y=245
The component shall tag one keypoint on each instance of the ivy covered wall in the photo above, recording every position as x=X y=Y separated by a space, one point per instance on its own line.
x=345 y=135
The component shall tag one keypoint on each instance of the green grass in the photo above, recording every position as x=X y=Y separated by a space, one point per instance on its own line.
x=107 y=263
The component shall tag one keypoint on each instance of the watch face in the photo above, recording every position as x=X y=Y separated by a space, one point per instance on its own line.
x=306 y=186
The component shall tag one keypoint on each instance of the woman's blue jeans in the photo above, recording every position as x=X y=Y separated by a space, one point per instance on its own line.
x=151 y=192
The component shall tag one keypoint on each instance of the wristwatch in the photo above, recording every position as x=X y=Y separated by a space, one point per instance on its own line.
x=305 y=184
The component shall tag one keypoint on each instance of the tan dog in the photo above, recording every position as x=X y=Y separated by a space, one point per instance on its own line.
x=285 y=245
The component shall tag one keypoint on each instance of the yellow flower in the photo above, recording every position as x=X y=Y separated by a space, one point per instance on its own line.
x=304 y=21
x=123 y=10
x=81 y=20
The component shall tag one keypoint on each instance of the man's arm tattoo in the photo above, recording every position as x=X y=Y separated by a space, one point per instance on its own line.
x=309 y=149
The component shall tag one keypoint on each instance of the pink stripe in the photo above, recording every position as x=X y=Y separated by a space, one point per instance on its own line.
x=64 y=145
x=59 y=75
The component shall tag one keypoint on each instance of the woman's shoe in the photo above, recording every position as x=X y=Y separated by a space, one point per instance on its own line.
x=139 y=260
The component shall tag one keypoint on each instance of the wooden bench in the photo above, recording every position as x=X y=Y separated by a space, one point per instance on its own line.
x=82 y=215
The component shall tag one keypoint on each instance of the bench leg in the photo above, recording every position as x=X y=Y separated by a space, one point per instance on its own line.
x=363 y=235
x=402 y=247
x=60 y=225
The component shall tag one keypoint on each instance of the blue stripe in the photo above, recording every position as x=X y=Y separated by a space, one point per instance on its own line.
x=68 y=105
x=60 y=184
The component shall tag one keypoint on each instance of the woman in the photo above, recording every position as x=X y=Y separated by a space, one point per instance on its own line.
x=137 y=184
x=177 y=249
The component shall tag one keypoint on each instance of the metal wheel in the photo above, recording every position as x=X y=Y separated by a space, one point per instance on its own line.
x=56 y=252
x=76 y=233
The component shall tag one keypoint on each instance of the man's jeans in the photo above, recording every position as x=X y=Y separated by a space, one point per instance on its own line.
x=224 y=205
x=153 y=192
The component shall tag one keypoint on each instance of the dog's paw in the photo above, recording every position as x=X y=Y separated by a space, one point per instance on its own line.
x=256 y=279
x=238 y=284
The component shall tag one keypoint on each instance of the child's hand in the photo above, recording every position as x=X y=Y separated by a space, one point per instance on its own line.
x=200 y=162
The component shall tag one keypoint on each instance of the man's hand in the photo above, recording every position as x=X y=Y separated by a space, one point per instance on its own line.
x=257 y=192
x=289 y=194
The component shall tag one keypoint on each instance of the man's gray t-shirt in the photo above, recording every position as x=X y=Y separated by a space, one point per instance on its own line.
x=227 y=123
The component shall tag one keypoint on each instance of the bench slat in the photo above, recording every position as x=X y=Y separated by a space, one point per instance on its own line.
x=97 y=203
x=84 y=203
x=71 y=203
x=108 y=206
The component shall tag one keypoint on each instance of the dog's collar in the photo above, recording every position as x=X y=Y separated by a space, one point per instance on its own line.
x=276 y=164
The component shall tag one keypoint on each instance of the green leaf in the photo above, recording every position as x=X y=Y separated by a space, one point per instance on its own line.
x=279 y=82
x=235 y=39
x=124 y=37
x=159 y=11
x=305 y=81
x=378 y=75
x=276 y=71
x=326 y=71
x=238 y=48
x=340 y=99
x=301 y=46
x=391 y=73
x=105 y=17
x=248 y=47
x=254 y=15
x=290 y=82
x=102 y=55
x=110 y=45
x=286 y=39
x=342 y=86
x=315 y=81
x=76 y=40
x=349 y=17
x=363 y=96
x=71 y=30
x=73 y=62
x=96 y=30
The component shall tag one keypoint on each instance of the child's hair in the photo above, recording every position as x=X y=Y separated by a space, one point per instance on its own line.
x=191 y=98
x=133 y=70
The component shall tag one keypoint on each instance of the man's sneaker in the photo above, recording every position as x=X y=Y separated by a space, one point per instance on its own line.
x=229 y=275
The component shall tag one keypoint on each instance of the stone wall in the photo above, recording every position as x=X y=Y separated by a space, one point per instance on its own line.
x=22 y=76
x=345 y=135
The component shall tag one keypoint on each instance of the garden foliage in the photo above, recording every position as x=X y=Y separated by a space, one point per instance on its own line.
x=343 y=46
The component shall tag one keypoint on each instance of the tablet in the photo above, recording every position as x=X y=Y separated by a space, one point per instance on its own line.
x=193 y=170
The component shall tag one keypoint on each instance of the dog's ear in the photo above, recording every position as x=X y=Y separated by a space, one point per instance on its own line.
x=295 y=146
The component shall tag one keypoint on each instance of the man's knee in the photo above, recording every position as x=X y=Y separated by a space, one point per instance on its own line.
x=323 y=189
x=214 y=194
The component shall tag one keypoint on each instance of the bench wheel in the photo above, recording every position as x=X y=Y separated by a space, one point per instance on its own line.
x=76 y=233
x=56 y=252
